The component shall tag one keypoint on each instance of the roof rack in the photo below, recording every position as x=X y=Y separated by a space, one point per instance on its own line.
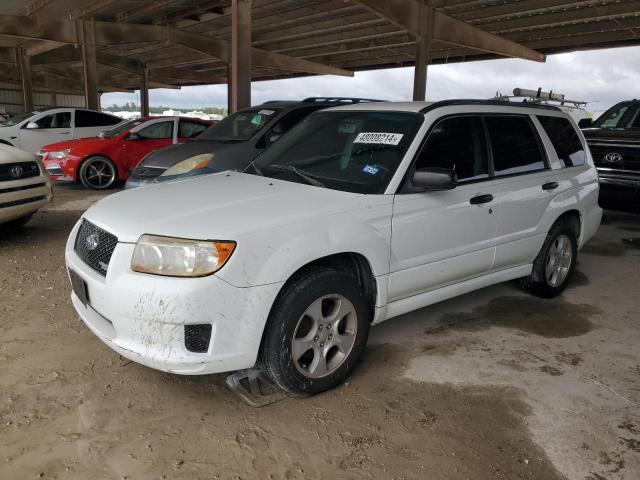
x=501 y=103
x=341 y=100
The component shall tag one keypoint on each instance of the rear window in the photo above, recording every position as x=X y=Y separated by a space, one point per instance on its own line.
x=515 y=145
x=564 y=139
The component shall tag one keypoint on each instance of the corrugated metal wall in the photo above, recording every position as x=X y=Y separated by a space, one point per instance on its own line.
x=11 y=100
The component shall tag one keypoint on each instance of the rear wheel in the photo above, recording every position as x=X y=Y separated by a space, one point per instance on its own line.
x=554 y=265
x=316 y=332
x=98 y=173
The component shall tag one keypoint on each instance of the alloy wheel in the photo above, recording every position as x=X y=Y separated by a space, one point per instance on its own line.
x=559 y=260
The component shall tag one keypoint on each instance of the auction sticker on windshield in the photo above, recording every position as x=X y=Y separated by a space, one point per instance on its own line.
x=379 y=138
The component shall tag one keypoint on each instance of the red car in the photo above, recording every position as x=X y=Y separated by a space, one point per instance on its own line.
x=99 y=162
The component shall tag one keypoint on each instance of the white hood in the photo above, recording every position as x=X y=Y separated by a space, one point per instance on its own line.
x=10 y=154
x=222 y=206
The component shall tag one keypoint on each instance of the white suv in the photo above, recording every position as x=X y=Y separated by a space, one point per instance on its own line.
x=359 y=214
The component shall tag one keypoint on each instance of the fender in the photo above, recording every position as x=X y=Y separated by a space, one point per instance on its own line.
x=274 y=255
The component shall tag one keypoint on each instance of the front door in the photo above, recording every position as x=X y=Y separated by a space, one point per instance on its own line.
x=45 y=130
x=443 y=237
x=150 y=137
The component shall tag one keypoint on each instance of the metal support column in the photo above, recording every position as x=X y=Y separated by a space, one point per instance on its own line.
x=89 y=64
x=240 y=79
x=144 y=91
x=24 y=63
x=423 y=51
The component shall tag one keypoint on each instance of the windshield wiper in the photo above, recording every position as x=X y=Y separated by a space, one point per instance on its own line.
x=310 y=179
x=253 y=165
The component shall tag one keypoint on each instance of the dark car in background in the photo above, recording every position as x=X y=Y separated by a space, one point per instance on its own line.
x=614 y=141
x=232 y=143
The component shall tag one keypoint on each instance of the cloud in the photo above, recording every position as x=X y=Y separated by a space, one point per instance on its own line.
x=603 y=77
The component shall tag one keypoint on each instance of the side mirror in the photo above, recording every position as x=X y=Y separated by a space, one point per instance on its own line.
x=431 y=179
x=32 y=125
x=585 y=123
x=134 y=136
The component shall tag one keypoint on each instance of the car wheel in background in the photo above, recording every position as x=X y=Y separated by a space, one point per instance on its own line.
x=98 y=173
x=554 y=265
x=316 y=332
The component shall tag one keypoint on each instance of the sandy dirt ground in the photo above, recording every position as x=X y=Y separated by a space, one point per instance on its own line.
x=492 y=385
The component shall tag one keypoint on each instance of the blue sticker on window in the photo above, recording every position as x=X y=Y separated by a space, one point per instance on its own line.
x=370 y=169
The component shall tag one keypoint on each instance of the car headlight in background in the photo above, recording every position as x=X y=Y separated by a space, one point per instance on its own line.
x=58 y=155
x=188 y=165
x=179 y=257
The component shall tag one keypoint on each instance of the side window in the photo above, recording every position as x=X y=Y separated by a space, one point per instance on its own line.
x=290 y=120
x=55 y=120
x=459 y=144
x=514 y=144
x=187 y=129
x=86 y=118
x=157 y=131
x=565 y=140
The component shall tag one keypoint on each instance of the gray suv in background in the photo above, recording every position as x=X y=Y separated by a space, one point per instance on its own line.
x=232 y=143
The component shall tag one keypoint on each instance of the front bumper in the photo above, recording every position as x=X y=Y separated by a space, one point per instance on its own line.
x=19 y=198
x=142 y=317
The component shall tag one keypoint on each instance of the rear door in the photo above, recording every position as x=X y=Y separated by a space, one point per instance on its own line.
x=527 y=186
x=49 y=128
x=188 y=129
x=88 y=123
x=443 y=237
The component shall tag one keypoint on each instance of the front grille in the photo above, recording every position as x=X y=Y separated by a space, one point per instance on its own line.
x=24 y=187
x=18 y=171
x=620 y=157
x=196 y=337
x=22 y=201
x=148 y=172
x=95 y=246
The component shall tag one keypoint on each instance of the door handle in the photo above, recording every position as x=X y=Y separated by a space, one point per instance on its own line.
x=550 y=186
x=65 y=133
x=477 y=200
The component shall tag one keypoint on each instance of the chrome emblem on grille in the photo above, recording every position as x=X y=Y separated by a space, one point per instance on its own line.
x=92 y=241
x=16 y=171
x=613 y=157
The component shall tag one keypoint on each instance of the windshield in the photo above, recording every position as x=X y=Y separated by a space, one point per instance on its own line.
x=352 y=151
x=620 y=116
x=240 y=126
x=123 y=127
x=15 y=119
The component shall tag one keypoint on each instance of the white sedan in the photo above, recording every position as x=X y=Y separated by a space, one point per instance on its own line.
x=33 y=130
x=24 y=186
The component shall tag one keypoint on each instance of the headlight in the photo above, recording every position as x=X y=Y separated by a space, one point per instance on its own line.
x=59 y=155
x=193 y=163
x=179 y=257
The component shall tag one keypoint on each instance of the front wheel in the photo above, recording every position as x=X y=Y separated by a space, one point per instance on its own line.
x=316 y=332
x=98 y=173
x=554 y=265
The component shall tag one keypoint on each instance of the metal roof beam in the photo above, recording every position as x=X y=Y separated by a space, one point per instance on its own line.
x=406 y=13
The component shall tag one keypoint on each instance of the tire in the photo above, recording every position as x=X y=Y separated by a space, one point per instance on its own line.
x=296 y=338
x=16 y=223
x=98 y=173
x=554 y=265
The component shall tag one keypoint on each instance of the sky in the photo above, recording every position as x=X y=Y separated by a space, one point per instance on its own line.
x=603 y=77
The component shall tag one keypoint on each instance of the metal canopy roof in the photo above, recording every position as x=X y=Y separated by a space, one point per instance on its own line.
x=348 y=34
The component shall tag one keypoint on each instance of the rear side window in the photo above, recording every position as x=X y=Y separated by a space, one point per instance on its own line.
x=515 y=145
x=458 y=144
x=85 y=118
x=187 y=129
x=564 y=139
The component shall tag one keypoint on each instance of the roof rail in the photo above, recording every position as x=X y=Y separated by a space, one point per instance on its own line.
x=501 y=103
x=341 y=100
